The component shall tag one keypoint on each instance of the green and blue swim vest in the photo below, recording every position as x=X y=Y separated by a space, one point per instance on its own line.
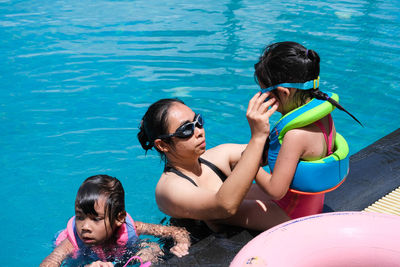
x=317 y=176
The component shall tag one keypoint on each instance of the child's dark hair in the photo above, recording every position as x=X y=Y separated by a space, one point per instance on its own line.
x=286 y=62
x=155 y=123
x=98 y=186
x=290 y=62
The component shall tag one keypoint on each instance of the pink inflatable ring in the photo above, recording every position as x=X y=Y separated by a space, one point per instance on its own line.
x=329 y=239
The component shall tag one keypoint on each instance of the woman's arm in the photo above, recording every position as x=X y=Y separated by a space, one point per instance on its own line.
x=235 y=188
x=180 y=235
x=234 y=155
x=59 y=254
x=181 y=199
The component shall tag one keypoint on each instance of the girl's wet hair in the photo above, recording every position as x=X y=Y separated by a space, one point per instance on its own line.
x=97 y=186
x=286 y=62
x=155 y=123
x=290 y=62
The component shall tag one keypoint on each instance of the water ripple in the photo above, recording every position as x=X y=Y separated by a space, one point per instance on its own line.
x=91 y=130
x=77 y=77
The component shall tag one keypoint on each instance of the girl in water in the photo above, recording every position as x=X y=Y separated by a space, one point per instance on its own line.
x=306 y=132
x=102 y=231
x=214 y=185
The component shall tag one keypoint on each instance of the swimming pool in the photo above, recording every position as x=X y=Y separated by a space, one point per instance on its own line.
x=77 y=76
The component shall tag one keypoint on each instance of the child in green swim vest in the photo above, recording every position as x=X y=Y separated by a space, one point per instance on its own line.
x=303 y=148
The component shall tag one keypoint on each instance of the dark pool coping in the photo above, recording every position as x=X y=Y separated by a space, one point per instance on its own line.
x=374 y=172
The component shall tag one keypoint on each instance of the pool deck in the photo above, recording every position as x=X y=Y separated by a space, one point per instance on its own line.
x=374 y=173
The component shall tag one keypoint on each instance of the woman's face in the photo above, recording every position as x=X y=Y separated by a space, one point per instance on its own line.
x=178 y=115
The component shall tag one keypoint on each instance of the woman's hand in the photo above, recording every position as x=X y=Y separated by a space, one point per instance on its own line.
x=258 y=113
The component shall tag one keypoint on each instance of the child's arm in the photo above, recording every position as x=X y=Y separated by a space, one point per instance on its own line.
x=60 y=253
x=179 y=234
x=100 y=264
x=277 y=184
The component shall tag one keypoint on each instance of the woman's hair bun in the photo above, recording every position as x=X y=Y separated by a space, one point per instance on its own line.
x=144 y=140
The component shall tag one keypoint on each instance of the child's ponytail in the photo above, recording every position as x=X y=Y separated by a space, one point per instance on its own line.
x=313 y=64
x=316 y=93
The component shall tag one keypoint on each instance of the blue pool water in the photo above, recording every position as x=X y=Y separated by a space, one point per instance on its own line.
x=76 y=77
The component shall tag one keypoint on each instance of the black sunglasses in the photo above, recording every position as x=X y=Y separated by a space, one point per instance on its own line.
x=187 y=129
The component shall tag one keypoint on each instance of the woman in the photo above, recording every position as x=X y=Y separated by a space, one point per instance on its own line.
x=213 y=185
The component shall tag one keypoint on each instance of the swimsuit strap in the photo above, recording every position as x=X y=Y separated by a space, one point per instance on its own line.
x=179 y=173
x=220 y=173
x=327 y=135
x=217 y=170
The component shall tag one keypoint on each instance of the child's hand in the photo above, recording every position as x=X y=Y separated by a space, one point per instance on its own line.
x=180 y=249
x=179 y=234
x=100 y=264
x=151 y=252
x=182 y=239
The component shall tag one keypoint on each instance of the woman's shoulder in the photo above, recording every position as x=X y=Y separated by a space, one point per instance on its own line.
x=225 y=156
x=169 y=182
x=166 y=180
x=223 y=150
x=165 y=192
x=174 y=196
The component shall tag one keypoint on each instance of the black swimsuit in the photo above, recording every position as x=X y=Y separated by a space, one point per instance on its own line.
x=220 y=174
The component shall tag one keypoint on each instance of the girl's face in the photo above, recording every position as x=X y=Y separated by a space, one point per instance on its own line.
x=178 y=115
x=91 y=229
